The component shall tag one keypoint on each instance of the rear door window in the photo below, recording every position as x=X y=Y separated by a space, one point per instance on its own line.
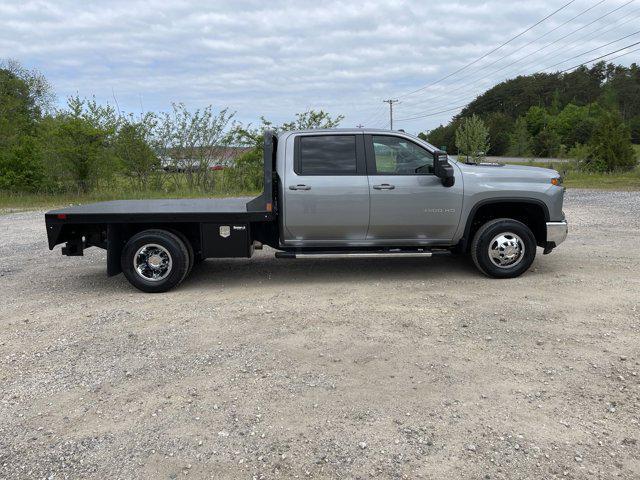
x=327 y=155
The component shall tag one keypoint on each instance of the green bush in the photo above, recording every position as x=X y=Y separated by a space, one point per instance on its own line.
x=78 y=153
x=21 y=167
x=546 y=143
x=610 y=146
x=247 y=173
x=134 y=153
x=520 y=139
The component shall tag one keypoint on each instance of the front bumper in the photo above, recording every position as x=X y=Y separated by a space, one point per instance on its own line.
x=556 y=234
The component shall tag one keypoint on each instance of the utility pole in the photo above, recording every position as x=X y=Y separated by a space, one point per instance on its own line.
x=391 y=102
x=359 y=125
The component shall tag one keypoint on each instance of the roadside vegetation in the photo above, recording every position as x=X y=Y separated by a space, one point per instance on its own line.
x=86 y=151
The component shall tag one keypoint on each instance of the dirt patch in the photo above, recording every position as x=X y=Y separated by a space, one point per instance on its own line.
x=387 y=368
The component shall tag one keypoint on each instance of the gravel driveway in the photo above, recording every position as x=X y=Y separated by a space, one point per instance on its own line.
x=383 y=368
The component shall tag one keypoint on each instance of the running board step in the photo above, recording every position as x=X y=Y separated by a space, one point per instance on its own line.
x=364 y=254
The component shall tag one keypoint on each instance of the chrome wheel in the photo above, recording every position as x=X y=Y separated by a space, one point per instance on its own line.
x=506 y=250
x=152 y=262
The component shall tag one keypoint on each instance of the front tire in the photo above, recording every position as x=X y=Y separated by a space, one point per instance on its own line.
x=155 y=261
x=503 y=248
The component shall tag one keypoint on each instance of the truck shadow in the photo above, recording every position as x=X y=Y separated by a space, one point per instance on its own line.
x=267 y=269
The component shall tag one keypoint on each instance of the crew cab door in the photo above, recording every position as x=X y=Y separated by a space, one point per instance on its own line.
x=408 y=202
x=326 y=190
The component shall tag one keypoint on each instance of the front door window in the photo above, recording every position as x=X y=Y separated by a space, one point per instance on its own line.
x=398 y=156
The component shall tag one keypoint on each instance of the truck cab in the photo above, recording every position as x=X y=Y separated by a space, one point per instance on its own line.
x=333 y=193
x=355 y=188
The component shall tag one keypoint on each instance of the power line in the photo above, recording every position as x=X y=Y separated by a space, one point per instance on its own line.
x=484 y=67
x=576 y=56
x=541 y=70
x=590 y=35
x=534 y=52
x=497 y=100
x=592 y=50
x=483 y=56
x=488 y=53
x=623 y=54
x=600 y=57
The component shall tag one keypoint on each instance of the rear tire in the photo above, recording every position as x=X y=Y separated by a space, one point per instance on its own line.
x=503 y=248
x=155 y=261
x=187 y=243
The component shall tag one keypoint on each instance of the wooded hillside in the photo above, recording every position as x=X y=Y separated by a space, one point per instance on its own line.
x=554 y=114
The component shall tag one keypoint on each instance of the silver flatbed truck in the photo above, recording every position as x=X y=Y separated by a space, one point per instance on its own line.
x=332 y=193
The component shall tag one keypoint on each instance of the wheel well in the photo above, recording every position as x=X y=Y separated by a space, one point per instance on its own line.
x=119 y=233
x=531 y=214
x=191 y=231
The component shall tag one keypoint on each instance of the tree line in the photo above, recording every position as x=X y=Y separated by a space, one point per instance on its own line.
x=590 y=114
x=86 y=147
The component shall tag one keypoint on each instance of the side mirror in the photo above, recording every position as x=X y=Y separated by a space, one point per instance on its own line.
x=443 y=170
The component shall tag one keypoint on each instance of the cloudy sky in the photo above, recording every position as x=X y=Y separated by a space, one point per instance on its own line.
x=281 y=57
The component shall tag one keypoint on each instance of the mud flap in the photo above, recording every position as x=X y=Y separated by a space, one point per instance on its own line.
x=115 y=245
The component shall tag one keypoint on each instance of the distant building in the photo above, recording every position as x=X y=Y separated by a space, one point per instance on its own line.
x=191 y=159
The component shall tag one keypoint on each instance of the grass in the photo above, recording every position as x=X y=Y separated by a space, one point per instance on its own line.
x=574 y=178
x=604 y=181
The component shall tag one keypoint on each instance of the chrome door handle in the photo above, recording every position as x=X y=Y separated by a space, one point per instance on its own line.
x=384 y=186
x=299 y=187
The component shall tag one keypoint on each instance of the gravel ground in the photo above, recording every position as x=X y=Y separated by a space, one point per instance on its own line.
x=385 y=368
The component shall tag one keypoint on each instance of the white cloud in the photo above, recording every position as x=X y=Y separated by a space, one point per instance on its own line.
x=282 y=57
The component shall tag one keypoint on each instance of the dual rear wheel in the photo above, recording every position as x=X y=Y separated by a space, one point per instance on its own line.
x=157 y=260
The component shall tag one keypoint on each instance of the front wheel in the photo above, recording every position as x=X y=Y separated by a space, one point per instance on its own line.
x=155 y=261
x=503 y=248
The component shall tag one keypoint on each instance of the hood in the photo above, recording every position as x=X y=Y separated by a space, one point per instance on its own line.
x=509 y=172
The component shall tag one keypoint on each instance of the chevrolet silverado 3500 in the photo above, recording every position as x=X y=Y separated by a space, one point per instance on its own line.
x=332 y=193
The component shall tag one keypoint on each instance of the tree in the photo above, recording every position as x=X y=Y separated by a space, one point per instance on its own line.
x=499 y=126
x=78 y=145
x=472 y=138
x=537 y=119
x=312 y=119
x=444 y=136
x=40 y=92
x=561 y=109
x=546 y=143
x=79 y=148
x=18 y=113
x=520 y=139
x=21 y=167
x=193 y=140
x=23 y=95
x=610 y=146
x=133 y=149
x=309 y=120
x=248 y=167
x=575 y=124
x=634 y=125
